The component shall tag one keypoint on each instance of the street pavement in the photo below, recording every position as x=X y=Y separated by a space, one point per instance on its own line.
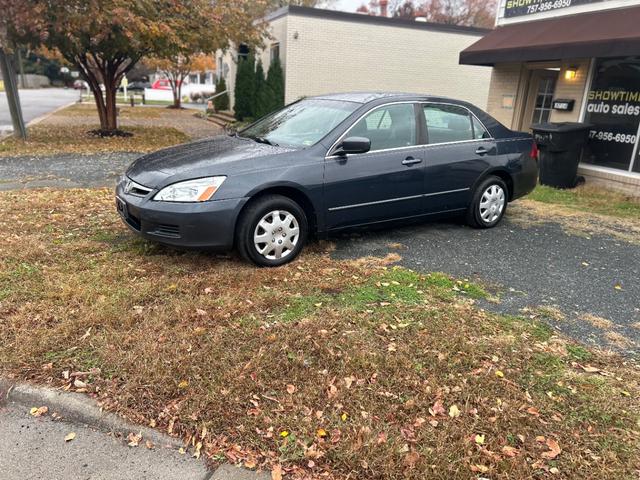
x=34 y=448
x=35 y=103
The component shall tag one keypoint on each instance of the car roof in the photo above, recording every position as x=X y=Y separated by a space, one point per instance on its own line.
x=366 y=97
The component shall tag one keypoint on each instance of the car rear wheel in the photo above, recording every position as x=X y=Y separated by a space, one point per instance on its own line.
x=489 y=203
x=272 y=231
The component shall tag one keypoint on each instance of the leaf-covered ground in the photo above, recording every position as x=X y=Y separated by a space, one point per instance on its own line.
x=326 y=369
x=68 y=131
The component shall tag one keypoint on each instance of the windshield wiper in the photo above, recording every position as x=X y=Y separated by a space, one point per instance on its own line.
x=265 y=141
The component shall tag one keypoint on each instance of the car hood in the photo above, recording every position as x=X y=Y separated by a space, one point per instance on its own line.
x=221 y=155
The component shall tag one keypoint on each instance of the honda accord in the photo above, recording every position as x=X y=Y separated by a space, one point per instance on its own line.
x=328 y=163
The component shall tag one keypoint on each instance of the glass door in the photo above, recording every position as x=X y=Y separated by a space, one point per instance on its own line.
x=544 y=97
x=539 y=100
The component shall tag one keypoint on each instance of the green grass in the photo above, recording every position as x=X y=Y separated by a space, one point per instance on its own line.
x=589 y=199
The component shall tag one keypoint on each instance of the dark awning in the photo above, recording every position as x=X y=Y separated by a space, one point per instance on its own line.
x=606 y=33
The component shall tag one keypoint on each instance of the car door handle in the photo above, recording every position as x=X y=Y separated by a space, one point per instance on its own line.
x=411 y=161
x=482 y=151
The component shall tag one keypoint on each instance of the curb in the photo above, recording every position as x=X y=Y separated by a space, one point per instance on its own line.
x=78 y=408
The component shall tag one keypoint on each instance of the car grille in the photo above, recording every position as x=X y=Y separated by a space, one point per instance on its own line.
x=171 y=231
x=133 y=188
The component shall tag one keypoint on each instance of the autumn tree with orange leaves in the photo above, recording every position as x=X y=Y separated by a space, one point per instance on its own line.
x=104 y=39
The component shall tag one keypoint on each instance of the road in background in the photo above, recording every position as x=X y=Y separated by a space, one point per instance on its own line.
x=35 y=103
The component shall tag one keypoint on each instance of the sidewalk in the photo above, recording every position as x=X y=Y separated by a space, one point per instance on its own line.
x=36 y=447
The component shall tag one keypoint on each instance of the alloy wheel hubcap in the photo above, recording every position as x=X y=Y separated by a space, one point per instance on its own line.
x=492 y=203
x=276 y=234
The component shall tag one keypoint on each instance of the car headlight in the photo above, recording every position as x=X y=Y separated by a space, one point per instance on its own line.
x=199 y=190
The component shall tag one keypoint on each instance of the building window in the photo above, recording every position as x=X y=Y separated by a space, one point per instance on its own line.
x=613 y=108
x=243 y=52
x=275 y=51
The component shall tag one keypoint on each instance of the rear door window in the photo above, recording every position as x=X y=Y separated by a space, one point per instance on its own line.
x=448 y=123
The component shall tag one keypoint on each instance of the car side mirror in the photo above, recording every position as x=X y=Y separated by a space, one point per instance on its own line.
x=353 y=145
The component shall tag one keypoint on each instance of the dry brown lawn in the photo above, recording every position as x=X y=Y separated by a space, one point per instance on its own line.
x=329 y=369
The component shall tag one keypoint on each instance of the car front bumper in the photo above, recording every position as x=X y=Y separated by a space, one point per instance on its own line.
x=207 y=225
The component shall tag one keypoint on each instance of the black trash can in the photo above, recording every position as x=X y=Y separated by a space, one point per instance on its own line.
x=560 y=146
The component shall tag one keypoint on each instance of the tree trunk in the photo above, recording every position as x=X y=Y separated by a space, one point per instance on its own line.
x=111 y=110
x=178 y=100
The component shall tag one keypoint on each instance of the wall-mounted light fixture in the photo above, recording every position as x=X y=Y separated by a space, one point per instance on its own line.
x=571 y=73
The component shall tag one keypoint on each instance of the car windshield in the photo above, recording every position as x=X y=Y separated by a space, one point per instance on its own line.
x=301 y=124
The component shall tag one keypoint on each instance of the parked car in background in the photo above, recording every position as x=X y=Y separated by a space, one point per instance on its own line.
x=80 y=85
x=137 y=86
x=161 y=84
x=324 y=164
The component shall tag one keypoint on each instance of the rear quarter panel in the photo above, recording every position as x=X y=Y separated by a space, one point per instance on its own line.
x=522 y=168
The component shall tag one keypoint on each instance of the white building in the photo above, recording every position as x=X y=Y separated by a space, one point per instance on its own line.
x=326 y=51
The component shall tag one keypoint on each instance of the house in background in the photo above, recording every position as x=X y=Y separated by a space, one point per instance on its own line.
x=326 y=51
x=571 y=61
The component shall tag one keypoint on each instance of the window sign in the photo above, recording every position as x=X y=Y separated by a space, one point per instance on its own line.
x=613 y=107
x=517 y=8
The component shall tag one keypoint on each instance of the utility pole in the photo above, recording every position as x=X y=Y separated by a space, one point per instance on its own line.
x=11 y=89
x=23 y=79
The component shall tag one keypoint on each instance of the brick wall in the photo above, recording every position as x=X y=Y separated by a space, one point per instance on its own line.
x=332 y=55
x=571 y=89
x=503 y=92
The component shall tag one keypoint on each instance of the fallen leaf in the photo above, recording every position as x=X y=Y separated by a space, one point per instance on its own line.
x=183 y=384
x=590 y=369
x=196 y=454
x=276 y=473
x=411 y=459
x=533 y=411
x=349 y=381
x=291 y=389
x=554 y=449
x=284 y=433
x=149 y=444
x=344 y=417
x=479 y=468
x=454 y=411
x=499 y=374
x=69 y=437
x=332 y=391
x=321 y=433
x=134 y=439
x=479 y=439
x=79 y=384
x=510 y=451
x=437 y=409
x=39 y=411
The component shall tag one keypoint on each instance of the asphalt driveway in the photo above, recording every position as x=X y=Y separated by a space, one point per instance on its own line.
x=586 y=286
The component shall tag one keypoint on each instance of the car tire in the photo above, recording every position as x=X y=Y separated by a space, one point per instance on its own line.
x=489 y=203
x=277 y=220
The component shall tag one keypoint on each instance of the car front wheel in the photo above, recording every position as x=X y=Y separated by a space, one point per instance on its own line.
x=489 y=203
x=272 y=231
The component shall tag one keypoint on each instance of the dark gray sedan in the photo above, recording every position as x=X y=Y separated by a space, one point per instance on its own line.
x=327 y=163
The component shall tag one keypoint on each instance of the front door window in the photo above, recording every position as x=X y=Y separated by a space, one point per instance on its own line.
x=544 y=98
